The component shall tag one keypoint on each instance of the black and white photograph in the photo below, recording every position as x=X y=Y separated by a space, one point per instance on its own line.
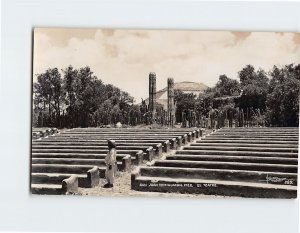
x=165 y=113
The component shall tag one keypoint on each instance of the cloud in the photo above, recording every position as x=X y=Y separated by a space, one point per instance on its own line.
x=125 y=57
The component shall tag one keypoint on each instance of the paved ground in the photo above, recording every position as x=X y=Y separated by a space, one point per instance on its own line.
x=122 y=188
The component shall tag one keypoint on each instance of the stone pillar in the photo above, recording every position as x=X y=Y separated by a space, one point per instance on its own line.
x=152 y=95
x=171 y=105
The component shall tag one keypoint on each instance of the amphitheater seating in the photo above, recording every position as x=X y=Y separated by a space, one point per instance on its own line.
x=76 y=156
x=244 y=162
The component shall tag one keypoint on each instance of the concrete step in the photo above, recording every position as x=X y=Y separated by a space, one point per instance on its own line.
x=96 y=143
x=232 y=144
x=75 y=155
x=227 y=148
x=52 y=178
x=82 y=151
x=224 y=140
x=245 y=159
x=242 y=136
x=239 y=153
x=63 y=168
x=213 y=187
x=48 y=189
x=126 y=159
x=115 y=137
x=229 y=134
x=219 y=174
x=84 y=180
x=267 y=129
x=228 y=165
x=80 y=147
x=75 y=161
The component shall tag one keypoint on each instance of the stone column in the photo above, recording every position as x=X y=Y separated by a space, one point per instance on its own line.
x=171 y=106
x=152 y=94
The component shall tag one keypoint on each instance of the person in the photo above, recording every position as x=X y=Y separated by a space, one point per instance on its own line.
x=110 y=161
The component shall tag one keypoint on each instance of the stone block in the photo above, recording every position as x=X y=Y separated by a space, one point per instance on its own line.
x=139 y=157
x=70 y=185
x=173 y=142
x=179 y=141
x=158 y=149
x=126 y=163
x=93 y=177
x=149 y=154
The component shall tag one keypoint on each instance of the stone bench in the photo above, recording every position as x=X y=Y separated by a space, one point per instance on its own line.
x=238 y=153
x=177 y=173
x=246 y=141
x=135 y=158
x=284 y=168
x=123 y=165
x=246 y=159
x=211 y=187
x=234 y=144
x=238 y=148
x=88 y=176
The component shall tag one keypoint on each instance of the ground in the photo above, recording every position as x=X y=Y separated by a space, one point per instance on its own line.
x=122 y=188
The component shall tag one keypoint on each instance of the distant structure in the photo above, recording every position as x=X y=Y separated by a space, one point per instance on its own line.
x=171 y=103
x=185 y=87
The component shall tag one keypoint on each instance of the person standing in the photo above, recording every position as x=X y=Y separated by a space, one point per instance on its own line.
x=110 y=161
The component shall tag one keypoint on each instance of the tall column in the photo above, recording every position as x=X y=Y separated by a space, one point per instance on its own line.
x=171 y=107
x=152 y=94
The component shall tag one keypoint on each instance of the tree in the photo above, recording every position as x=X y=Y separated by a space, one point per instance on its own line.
x=227 y=87
x=283 y=96
x=254 y=85
x=184 y=101
x=48 y=92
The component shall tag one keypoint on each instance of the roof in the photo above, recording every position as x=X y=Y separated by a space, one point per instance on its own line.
x=185 y=87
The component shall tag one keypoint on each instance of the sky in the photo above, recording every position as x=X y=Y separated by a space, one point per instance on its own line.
x=125 y=58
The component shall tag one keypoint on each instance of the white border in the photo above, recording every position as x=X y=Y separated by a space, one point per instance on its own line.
x=22 y=212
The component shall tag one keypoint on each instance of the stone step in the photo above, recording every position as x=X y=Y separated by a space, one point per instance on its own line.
x=219 y=174
x=227 y=148
x=116 y=137
x=245 y=159
x=126 y=159
x=209 y=140
x=97 y=143
x=76 y=161
x=213 y=187
x=240 y=153
x=63 y=168
x=228 y=165
x=121 y=134
x=80 y=147
x=261 y=129
x=48 y=189
x=82 y=151
x=257 y=134
x=232 y=144
x=75 y=155
x=52 y=178
x=242 y=136
x=84 y=180
x=134 y=129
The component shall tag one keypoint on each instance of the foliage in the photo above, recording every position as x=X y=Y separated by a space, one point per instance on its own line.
x=80 y=99
x=283 y=96
x=254 y=85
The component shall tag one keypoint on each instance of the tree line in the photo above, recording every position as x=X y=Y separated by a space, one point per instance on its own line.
x=77 y=98
x=271 y=97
